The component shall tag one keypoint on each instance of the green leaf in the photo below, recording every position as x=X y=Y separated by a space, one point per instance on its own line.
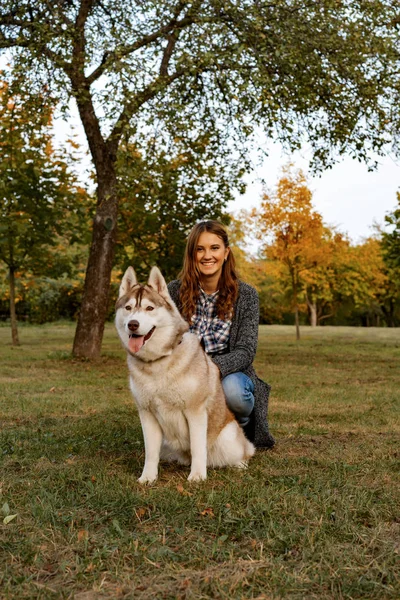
x=5 y=509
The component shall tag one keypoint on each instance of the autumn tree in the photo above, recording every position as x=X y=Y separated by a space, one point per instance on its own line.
x=354 y=284
x=317 y=71
x=37 y=188
x=321 y=283
x=292 y=232
x=358 y=279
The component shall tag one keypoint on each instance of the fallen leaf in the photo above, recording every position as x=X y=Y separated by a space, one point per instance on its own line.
x=83 y=534
x=182 y=490
x=5 y=509
x=140 y=513
x=8 y=518
x=207 y=512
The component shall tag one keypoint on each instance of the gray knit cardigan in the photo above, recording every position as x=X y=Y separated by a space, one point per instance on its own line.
x=242 y=350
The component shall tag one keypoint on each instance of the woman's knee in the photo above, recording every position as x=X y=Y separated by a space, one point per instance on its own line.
x=238 y=389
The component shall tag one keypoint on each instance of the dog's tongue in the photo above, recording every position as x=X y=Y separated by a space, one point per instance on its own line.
x=135 y=343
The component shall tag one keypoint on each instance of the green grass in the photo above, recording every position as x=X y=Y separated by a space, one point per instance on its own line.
x=316 y=517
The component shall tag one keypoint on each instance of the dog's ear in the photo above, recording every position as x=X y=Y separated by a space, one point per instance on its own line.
x=128 y=281
x=157 y=282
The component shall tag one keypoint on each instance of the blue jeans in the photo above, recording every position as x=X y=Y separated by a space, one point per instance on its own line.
x=239 y=394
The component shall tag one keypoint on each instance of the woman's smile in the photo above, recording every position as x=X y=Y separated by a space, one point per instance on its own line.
x=208 y=264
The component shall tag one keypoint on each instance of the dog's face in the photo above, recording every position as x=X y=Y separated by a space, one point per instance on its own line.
x=146 y=318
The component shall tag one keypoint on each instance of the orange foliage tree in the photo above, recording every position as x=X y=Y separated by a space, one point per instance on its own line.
x=293 y=233
x=352 y=279
x=322 y=282
x=364 y=278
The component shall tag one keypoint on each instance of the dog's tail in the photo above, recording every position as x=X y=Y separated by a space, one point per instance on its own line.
x=249 y=449
x=231 y=448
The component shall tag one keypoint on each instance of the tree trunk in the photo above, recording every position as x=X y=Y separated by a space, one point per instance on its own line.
x=13 y=312
x=388 y=315
x=313 y=315
x=94 y=307
x=296 y=318
x=295 y=301
x=313 y=312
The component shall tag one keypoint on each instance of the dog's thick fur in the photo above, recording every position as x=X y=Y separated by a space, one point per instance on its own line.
x=176 y=386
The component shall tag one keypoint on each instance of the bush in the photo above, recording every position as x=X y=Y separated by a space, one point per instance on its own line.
x=42 y=300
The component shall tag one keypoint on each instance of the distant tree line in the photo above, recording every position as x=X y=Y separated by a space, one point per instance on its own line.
x=305 y=271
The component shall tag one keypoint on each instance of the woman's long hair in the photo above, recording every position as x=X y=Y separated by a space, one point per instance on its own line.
x=228 y=284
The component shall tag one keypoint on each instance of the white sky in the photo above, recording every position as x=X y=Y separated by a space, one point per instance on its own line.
x=347 y=196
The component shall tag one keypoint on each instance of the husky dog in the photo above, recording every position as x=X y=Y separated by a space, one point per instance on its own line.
x=176 y=386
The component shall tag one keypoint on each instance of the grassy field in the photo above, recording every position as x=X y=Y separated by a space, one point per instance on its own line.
x=316 y=517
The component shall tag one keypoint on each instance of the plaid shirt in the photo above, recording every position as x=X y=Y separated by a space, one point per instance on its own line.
x=211 y=331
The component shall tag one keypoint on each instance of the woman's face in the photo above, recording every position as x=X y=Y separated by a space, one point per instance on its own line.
x=210 y=254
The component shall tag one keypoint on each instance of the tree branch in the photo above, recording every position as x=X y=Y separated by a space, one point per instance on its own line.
x=167 y=54
x=61 y=10
x=172 y=27
x=79 y=44
x=160 y=83
x=140 y=98
x=325 y=316
x=7 y=43
x=9 y=19
x=89 y=119
x=150 y=92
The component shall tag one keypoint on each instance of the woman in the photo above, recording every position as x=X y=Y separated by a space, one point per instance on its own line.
x=224 y=313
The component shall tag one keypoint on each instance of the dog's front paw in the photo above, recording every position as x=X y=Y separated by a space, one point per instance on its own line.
x=242 y=464
x=197 y=476
x=147 y=478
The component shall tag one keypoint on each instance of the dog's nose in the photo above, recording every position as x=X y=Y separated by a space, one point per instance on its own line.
x=133 y=325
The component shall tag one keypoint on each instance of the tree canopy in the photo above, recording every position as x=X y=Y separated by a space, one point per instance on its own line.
x=296 y=68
